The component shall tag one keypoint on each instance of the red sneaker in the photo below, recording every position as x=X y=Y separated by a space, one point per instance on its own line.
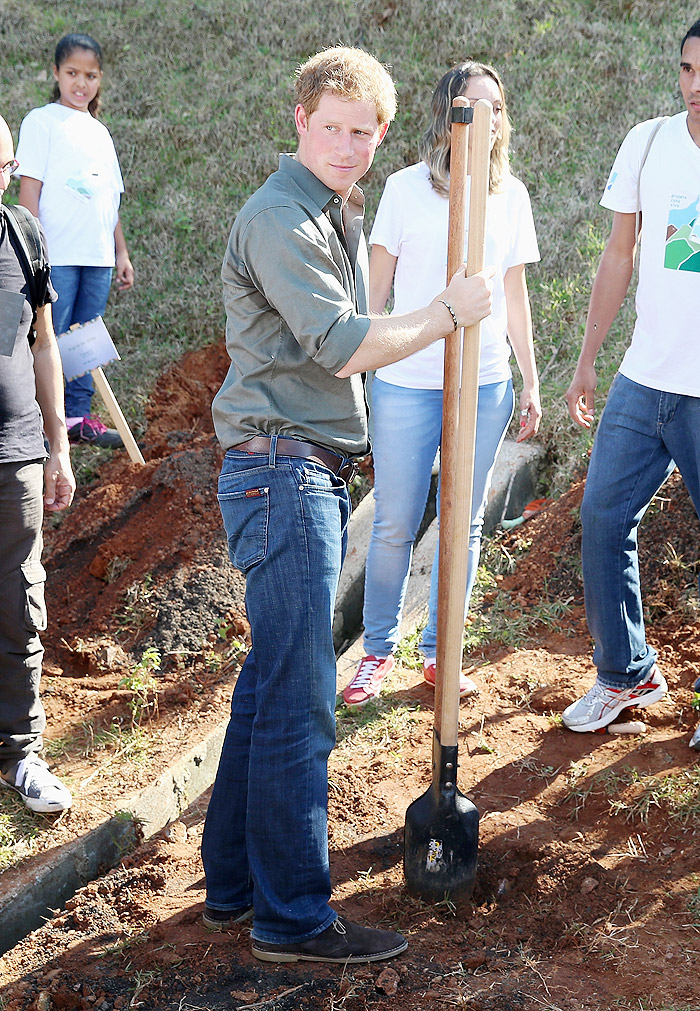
x=371 y=671
x=466 y=685
x=93 y=432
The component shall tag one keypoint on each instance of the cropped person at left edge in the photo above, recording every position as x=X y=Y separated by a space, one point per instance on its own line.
x=31 y=406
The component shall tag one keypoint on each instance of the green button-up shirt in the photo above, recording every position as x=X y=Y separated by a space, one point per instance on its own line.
x=295 y=291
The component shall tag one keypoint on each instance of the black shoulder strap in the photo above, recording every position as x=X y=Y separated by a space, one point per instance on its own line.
x=26 y=232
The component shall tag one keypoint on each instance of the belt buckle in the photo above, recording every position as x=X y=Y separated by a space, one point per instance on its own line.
x=349 y=471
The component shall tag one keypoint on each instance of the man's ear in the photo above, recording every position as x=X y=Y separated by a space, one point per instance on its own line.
x=301 y=120
x=382 y=132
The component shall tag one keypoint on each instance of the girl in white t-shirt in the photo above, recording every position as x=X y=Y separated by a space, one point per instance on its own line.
x=72 y=182
x=409 y=252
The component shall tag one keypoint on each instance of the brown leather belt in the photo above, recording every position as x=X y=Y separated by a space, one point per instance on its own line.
x=338 y=465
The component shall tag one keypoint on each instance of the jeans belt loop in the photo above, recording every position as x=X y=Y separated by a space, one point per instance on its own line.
x=273 y=450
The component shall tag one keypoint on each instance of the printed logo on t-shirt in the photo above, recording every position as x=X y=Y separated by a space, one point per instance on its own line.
x=611 y=180
x=80 y=188
x=683 y=235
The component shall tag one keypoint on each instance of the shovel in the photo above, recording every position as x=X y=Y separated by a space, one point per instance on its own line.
x=442 y=827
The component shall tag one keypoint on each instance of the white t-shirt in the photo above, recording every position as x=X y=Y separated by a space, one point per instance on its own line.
x=72 y=155
x=665 y=349
x=412 y=224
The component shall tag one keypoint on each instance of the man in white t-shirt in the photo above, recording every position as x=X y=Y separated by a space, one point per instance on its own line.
x=651 y=421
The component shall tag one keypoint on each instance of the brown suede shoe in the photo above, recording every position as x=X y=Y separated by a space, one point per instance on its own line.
x=343 y=941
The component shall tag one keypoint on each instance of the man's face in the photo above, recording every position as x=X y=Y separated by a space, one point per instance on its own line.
x=690 y=82
x=338 y=140
x=7 y=153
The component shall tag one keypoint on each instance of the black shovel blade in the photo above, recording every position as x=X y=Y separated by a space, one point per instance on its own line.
x=441 y=837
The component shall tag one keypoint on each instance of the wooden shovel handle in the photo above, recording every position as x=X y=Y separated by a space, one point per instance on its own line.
x=459 y=416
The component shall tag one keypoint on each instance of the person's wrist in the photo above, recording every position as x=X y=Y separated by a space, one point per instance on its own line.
x=453 y=314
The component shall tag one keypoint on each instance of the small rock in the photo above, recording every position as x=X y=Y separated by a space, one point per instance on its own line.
x=474 y=960
x=108 y=656
x=388 y=981
x=176 y=832
x=587 y=885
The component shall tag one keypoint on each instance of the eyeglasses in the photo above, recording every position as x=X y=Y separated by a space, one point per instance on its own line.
x=11 y=167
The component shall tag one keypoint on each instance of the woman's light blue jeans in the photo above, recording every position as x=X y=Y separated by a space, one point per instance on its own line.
x=406 y=429
x=642 y=435
x=82 y=295
x=266 y=836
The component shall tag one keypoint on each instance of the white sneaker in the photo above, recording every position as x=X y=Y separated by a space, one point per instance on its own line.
x=38 y=788
x=601 y=705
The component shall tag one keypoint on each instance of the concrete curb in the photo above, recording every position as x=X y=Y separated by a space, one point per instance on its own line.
x=45 y=883
x=58 y=874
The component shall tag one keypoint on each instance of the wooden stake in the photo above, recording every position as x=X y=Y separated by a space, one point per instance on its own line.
x=115 y=412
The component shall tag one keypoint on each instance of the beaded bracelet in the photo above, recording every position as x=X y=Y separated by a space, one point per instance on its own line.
x=451 y=311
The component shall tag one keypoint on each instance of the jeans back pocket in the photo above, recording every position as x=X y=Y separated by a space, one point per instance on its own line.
x=246 y=515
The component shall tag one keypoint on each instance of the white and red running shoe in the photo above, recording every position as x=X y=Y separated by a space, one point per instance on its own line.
x=601 y=705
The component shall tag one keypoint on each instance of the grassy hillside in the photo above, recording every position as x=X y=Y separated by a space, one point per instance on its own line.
x=198 y=96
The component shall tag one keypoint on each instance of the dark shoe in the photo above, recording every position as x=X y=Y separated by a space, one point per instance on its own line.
x=220 y=919
x=343 y=941
x=40 y=790
x=94 y=433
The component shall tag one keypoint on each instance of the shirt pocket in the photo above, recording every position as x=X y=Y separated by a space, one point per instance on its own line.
x=246 y=516
x=33 y=579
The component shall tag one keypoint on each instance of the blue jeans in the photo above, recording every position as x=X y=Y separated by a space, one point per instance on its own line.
x=266 y=838
x=82 y=295
x=406 y=429
x=641 y=435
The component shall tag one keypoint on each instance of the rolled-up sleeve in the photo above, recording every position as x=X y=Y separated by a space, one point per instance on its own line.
x=292 y=260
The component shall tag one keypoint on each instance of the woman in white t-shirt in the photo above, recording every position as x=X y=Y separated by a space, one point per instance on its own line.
x=72 y=182
x=409 y=252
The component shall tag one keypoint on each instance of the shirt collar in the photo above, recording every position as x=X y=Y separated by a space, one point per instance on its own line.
x=312 y=186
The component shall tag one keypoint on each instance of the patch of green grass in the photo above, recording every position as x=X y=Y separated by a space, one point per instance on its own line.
x=379 y=727
x=634 y=795
x=504 y=623
x=535 y=769
x=143 y=686
x=137 y=611
x=19 y=830
x=407 y=653
x=694 y=907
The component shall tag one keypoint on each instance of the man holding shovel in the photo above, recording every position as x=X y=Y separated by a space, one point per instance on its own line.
x=291 y=417
x=651 y=421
